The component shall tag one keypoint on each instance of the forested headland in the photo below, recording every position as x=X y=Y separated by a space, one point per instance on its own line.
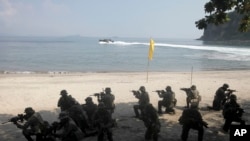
x=227 y=33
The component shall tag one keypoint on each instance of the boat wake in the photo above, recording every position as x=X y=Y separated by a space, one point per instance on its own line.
x=241 y=52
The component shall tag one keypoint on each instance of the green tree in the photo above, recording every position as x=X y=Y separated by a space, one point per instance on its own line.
x=218 y=13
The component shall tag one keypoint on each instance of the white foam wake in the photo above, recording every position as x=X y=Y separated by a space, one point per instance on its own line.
x=231 y=51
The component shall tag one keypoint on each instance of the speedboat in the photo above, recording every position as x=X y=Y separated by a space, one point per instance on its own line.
x=105 y=41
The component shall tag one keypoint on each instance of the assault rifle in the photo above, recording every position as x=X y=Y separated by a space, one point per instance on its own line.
x=158 y=91
x=185 y=89
x=15 y=119
x=99 y=96
x=135 y=93
x=229 y=92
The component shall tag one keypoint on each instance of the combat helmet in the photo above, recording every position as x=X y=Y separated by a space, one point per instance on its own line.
x=193 y=87
x=233 y=97
x=168 y=88
x=29 y=110
x=142 y=88
x=63 y=92
x=108 y=90
x=88 y=99
x=225 y=85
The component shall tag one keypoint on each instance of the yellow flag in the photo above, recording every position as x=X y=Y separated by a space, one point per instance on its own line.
x=151 y=49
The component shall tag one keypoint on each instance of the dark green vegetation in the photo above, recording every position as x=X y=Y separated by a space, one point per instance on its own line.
x=222 y=24
x=227 y=31
x=218 y=13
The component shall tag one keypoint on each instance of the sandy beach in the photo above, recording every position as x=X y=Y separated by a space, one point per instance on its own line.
x=42 y=91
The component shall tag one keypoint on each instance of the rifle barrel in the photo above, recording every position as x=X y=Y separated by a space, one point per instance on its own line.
x=5 y=122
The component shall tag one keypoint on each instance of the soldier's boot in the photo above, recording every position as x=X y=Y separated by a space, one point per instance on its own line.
x=200 y=134
x=159 y=107
x=136 y=110
x=172 y=112
x=226 y=125
x=27 y=135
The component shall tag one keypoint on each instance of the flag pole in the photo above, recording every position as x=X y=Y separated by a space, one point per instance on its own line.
x=191 y=75
x=147 y=70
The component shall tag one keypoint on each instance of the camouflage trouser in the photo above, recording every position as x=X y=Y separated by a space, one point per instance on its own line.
x=28 y=133
x=152 y=133
x=106 y=132
x=194 y=101
x=189 y=125
x=169 y=106
x=74 y=136
x=138 y=108
x=229 y=120
x=217 y=104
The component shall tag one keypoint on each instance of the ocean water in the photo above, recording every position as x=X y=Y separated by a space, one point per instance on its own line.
x=86 y=54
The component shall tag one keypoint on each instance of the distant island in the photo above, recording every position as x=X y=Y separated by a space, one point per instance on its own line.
x=226 y=33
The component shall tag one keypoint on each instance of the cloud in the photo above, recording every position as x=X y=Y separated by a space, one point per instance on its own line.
x=54 y=8
x=13 y=15
x=22 y=17
x=6 y=9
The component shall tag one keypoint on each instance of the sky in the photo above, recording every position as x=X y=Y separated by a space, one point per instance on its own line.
x=102 y=18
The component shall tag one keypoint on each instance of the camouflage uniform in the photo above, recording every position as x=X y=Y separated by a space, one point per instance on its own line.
x=90 y=107
x=192 y=119
x=33 y=126
x=70 y=131
x=79 y=116
x=66 y=101
x=232 y=112
x=108 y=100
x=152 y=123
x=143 y=101
x=168 y=101
x=103 y=121
x=219 y=97
x=192 y=95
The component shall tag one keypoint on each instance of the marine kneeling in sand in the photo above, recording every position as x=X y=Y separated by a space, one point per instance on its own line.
x=193 y=95
x=33 y=124
x=143 y=97
x=68 y=130
x=168 y=100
